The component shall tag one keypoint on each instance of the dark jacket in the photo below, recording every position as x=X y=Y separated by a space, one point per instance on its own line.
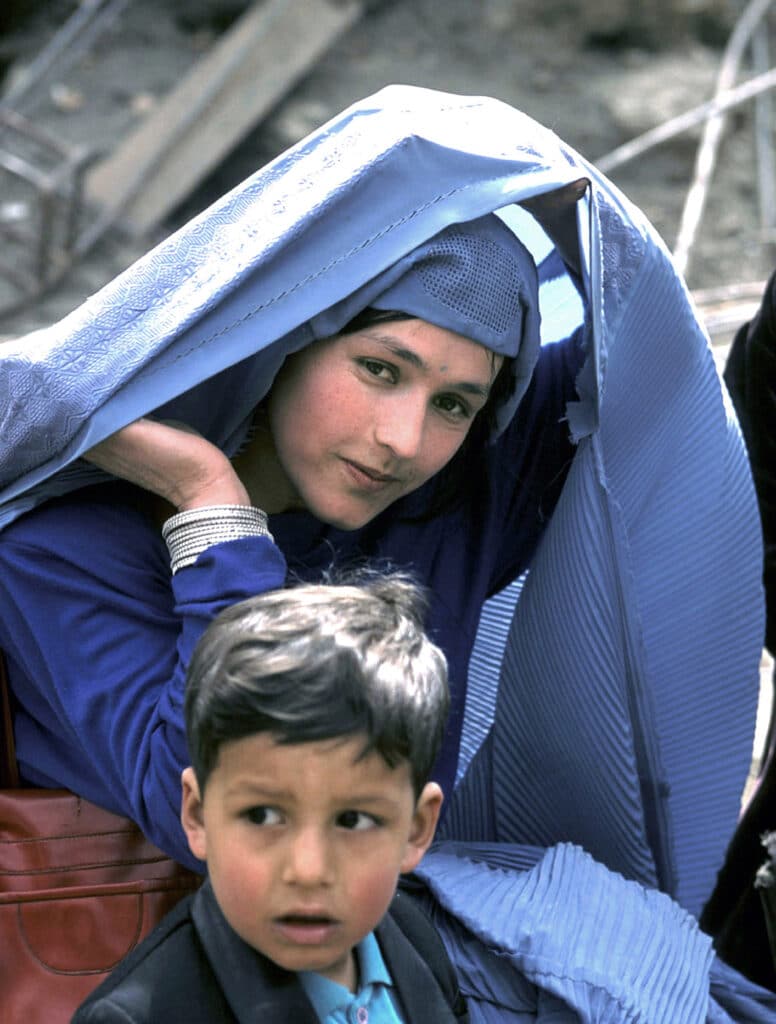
x=195 y=968
x=734 y=915
x=750 y=374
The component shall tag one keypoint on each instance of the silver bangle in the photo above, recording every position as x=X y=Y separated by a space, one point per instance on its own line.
x=188 y=534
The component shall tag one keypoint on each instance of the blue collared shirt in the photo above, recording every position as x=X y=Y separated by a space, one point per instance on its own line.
x=373 y=1003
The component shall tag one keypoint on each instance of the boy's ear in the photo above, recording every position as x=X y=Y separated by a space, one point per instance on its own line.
x=424 y=823
x=192 y=818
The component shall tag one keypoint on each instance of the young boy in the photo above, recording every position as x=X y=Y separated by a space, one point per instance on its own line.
x=313 y=716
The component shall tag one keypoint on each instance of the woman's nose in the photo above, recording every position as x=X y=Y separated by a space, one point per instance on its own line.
x=400 y=424
x=308 y=860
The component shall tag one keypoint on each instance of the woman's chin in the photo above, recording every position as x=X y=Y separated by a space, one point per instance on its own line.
x=341 y=516
x=345 y=523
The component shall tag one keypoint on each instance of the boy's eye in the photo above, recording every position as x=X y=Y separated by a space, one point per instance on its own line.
x=263 y=815
x=356 y=820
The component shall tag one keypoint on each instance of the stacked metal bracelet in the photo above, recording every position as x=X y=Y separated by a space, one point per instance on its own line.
x=188 y=534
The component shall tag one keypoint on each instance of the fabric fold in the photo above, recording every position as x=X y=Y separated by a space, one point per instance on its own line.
x=606 y=947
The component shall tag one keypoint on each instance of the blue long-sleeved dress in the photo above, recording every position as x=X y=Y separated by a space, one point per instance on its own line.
x=98 y=634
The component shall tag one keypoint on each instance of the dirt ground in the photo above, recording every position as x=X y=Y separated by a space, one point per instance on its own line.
x=596 y=80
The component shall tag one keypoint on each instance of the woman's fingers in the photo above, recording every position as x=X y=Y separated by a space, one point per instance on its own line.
x=556 y=213
x=172 y=461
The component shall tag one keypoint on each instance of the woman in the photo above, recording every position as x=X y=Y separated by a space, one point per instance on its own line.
x=373 y=397
x=372 y=444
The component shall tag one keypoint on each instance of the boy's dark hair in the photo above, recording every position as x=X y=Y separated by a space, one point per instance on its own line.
x=319 y=661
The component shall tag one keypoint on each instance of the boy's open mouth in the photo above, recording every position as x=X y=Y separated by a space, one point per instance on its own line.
x=306 y=919
x=306 y=929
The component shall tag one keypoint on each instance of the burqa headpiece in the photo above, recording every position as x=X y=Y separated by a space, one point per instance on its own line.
x=475 y=278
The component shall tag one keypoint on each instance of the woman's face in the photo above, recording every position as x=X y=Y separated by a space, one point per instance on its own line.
x=362 y=419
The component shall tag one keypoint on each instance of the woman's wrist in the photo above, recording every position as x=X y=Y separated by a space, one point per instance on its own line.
x=187 y=534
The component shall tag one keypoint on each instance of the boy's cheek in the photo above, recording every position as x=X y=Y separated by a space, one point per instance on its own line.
x=371 y=896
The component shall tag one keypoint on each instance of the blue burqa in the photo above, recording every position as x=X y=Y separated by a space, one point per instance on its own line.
x=624 y=715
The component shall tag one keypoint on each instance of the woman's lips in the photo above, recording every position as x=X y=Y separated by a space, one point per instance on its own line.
x=367 y=479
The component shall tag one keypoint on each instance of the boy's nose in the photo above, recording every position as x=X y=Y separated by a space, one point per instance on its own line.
x=308 y=860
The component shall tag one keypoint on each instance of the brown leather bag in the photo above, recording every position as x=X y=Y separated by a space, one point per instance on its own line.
x=79 y=888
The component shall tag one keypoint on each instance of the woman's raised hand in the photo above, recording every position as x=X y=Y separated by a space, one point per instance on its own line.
x=172 y=461
x=556 y=213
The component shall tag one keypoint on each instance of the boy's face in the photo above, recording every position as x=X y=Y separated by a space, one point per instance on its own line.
x=304 y=844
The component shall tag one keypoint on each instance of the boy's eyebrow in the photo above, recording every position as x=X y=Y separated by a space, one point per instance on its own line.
x=258 y=786
x=369 y=799
x=267 y=791
x=407 y=355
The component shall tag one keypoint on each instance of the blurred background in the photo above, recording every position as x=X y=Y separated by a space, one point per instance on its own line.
x=120 y=119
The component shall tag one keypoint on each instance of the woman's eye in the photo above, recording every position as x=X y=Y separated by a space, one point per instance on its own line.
x=453 y=406
x=375 y=368
x=356 y=820
x=263 y=815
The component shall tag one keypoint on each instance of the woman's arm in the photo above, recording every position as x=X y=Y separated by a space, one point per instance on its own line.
x=99 y=634
x=557 y=214
x=171 y=461
x=528 y=464
x=99 y=637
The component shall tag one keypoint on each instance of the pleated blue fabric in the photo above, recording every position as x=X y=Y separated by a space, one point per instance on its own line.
x=560 y=938
x=624 y=700
x=644 y=530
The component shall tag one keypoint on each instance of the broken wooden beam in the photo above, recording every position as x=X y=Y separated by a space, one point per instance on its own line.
x=226 y=94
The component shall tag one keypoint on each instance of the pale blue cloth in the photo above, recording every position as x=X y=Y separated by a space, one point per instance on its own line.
x=563 y=940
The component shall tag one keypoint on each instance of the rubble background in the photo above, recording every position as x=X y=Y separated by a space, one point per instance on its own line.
x=598 y=73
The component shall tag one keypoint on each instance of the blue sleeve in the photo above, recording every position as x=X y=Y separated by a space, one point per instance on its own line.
x=529 y=463
x=98 y=641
